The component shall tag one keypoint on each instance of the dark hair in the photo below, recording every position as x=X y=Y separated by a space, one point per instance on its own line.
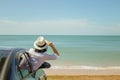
x=41 y=51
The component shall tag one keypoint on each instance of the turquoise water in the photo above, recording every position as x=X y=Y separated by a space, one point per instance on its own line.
x=74 y=50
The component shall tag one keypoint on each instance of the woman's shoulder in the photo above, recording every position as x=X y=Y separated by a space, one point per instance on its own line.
x=31 y=51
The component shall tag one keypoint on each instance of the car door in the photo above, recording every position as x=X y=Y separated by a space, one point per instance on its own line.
x=24 y=74
x=27 y=73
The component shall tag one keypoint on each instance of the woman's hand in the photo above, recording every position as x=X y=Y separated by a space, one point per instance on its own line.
x=53 y=47
x=50 y=44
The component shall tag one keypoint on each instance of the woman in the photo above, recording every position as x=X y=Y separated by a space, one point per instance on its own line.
x=39 y=53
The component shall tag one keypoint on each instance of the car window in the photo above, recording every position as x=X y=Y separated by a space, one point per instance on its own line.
x=24 y=67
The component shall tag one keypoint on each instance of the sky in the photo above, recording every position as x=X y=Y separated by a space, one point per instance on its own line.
x=59 y=17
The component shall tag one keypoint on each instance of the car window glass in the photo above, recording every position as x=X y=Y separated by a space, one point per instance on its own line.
x=24 y=66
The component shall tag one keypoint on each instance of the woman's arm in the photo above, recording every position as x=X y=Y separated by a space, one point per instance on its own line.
x=53 y=48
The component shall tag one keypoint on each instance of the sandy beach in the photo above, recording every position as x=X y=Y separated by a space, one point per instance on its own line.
x=84 y=77
x=80 y=74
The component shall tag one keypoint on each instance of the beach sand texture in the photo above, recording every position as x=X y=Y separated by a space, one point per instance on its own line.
x=83 y=77
x=71 y=74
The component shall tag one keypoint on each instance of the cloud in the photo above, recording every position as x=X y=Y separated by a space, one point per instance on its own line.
x=41 y=27
x=47 y=23
x=54 y=27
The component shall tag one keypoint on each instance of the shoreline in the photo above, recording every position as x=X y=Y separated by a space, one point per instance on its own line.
x=81 y=72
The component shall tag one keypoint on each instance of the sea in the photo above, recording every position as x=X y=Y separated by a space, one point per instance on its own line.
x=76 y=51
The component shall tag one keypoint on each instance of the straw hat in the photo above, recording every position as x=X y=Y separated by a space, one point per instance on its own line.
x=40 y=43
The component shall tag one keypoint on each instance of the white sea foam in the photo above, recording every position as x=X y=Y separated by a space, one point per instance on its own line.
x=87 y=67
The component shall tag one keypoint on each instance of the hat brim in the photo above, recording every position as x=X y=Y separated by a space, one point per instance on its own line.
x=40 y=48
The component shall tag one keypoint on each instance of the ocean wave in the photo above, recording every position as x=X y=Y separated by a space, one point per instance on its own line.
x=87 y=67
